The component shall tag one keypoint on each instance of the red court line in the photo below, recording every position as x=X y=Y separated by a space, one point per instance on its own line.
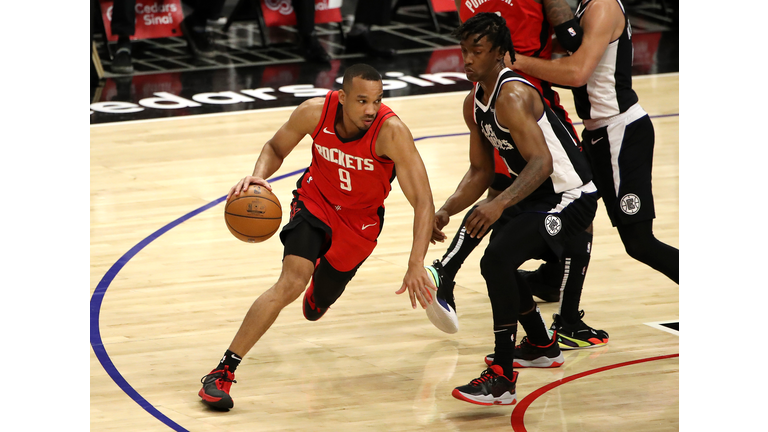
x=519 y=411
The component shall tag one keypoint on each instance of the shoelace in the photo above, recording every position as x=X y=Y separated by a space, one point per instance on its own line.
x=221 y=375
x=487 y=375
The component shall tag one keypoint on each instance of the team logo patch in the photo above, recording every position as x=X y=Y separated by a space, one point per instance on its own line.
x=553 y=224
x=630 y=204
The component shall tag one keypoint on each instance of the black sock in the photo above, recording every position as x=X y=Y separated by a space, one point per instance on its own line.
x=230 y=359
x=534 y=327
x=575 y=265
x=124 y=42
x=504 y=353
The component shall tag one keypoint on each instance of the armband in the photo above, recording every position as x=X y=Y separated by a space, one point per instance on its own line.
x=569 y=35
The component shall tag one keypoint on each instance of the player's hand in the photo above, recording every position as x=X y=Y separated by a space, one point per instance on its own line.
x=416 y=281
x=243 y=184
x=441 y=220
x=482 y=217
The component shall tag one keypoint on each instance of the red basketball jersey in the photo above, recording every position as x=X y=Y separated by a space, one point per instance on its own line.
x=347 y=174
x=531 y=33
x=531 y=36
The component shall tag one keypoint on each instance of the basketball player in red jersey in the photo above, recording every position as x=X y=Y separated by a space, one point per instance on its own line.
x=532 y=24
x=337 y=211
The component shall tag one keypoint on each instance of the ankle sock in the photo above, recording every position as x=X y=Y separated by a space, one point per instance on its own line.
x=534 y=327
x=230 y=359
x=504 y=352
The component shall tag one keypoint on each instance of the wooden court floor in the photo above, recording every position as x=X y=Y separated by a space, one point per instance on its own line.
x=170 y=287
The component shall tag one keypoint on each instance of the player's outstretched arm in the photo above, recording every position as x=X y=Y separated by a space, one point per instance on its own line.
x=602 y=23
x=478 y=177
x=396 y=142
x=302 y=121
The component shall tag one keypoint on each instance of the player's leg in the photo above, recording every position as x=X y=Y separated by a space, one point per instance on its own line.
x=572 y=331
x=326 y=287
x=462 y=245
x=622 y=160
x=303 y=243
x=446 y=267
x=642 y=245
x=512 y=244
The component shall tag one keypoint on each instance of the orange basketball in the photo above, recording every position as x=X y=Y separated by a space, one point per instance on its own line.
x=254 y=215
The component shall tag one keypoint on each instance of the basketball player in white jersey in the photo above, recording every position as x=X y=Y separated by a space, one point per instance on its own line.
x=618 y=135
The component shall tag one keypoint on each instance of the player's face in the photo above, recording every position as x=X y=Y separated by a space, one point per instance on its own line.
x=362 y=102
x=479 y=58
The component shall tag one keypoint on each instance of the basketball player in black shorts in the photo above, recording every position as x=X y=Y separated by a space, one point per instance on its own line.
x=550 y=202
x=556 y=280
x=618 y=135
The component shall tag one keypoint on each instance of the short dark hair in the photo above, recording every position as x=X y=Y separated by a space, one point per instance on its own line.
x=360 y=70
x=491 y=25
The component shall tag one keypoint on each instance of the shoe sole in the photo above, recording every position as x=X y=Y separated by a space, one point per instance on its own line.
x=440 y=313
x=541 y=362
x=505 y=399
x=121 y=71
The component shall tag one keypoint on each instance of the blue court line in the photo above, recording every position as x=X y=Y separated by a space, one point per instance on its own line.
x=98 y=297
x=101 y=289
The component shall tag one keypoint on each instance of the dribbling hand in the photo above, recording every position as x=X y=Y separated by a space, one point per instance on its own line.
x=243 y=184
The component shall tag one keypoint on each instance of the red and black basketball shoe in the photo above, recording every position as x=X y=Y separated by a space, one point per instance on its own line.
x=491 y=388
x=528 y=355
x=311 y=311
x=215 y=391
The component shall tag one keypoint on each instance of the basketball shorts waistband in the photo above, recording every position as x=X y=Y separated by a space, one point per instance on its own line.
x=634 y=113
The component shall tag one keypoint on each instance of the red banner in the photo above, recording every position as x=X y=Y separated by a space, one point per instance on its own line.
x=280 y=12
x=154 y=18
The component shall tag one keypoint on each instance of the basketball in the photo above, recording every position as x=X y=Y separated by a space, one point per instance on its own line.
x=254 y=215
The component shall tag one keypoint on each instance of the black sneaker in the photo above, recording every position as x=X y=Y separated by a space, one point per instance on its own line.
x=577 y=335
x=121 y=63
x=311 y=311
x=215 y=391
x=491 y=388
x=442 y=311
x=199 y=42
x=528 y=355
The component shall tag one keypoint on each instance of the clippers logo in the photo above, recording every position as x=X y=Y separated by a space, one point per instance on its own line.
x=630 y=204
x=553 y=224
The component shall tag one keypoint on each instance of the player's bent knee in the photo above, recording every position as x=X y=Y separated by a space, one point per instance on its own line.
x=289 y=289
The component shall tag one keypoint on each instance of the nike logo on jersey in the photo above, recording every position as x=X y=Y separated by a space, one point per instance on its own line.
x=594 y=141
x=327 y=131
x=369 y=225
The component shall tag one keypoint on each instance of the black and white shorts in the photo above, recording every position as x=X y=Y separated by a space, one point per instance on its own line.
x=620 y=150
